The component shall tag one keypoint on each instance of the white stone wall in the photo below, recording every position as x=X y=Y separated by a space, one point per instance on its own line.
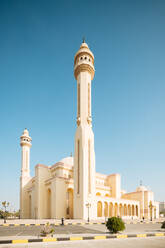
x=42 y=173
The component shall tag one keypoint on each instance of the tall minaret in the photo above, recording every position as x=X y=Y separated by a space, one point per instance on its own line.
x=25 y=143
x=84 y=158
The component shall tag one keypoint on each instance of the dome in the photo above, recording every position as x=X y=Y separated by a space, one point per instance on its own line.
x=141 y=188
x=26 y=132
x=84 y=45
x=83 y=49
x=67 y=161
x=84 y=61
x=25 y=139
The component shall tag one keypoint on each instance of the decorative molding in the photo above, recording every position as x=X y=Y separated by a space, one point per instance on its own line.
x=83 y=68
x=89 y=100
x=89 y=120
x=78 y=122
x=78 y=167
x=78 y=100
x=89 y=167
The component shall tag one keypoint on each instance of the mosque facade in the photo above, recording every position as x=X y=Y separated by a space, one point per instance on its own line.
x=71 y=188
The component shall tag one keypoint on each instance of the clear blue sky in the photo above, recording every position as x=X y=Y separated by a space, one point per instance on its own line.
x=38 y=41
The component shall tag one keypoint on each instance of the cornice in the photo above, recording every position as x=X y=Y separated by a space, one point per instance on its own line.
x=83 y=68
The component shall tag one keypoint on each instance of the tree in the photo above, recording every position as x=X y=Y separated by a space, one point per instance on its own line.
x=5 y=205
x=1 y=214
x=17 y=214
x=115 y=224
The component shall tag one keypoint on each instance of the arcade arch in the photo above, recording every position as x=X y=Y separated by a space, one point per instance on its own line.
x=136 y=210
x=105 y=209
x=125 y=210
x=110 y=209
x=99 y=209
x=133 y=210
x=116 y=210
x=49 y=204
x=120 y=210
x=129 y=210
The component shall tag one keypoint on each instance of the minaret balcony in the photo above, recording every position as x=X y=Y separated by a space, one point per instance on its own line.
x=78 y=121
x=25 y=142
x=89 y=120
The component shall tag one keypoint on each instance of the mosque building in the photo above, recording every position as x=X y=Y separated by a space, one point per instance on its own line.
x=71 y=188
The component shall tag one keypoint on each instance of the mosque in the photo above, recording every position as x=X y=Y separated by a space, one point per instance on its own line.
x=71 y=188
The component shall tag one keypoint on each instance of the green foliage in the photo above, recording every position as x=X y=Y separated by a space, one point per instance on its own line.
x=1 y=214
x=17 y=214
x=5 y=213
x=115 y=224
x=5 y=204
x=163 y=225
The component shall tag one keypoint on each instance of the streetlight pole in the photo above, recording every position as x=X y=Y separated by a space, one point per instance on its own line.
x=151 y=207
x=88 y=205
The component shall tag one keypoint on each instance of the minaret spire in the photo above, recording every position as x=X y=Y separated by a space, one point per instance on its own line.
x=25 y=143
x=84 y=72
x=84 y=157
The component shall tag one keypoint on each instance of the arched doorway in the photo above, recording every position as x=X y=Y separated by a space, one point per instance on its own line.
x=49 y=204
x=99 y=209
x=105 y=209
x=116 y=209
x=107 y=195
x=110 y=209
x=98 y=194
x=70 y=203
x=125 y=210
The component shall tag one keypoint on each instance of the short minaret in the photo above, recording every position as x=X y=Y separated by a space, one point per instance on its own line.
x=25 y=143
x=84 y=158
